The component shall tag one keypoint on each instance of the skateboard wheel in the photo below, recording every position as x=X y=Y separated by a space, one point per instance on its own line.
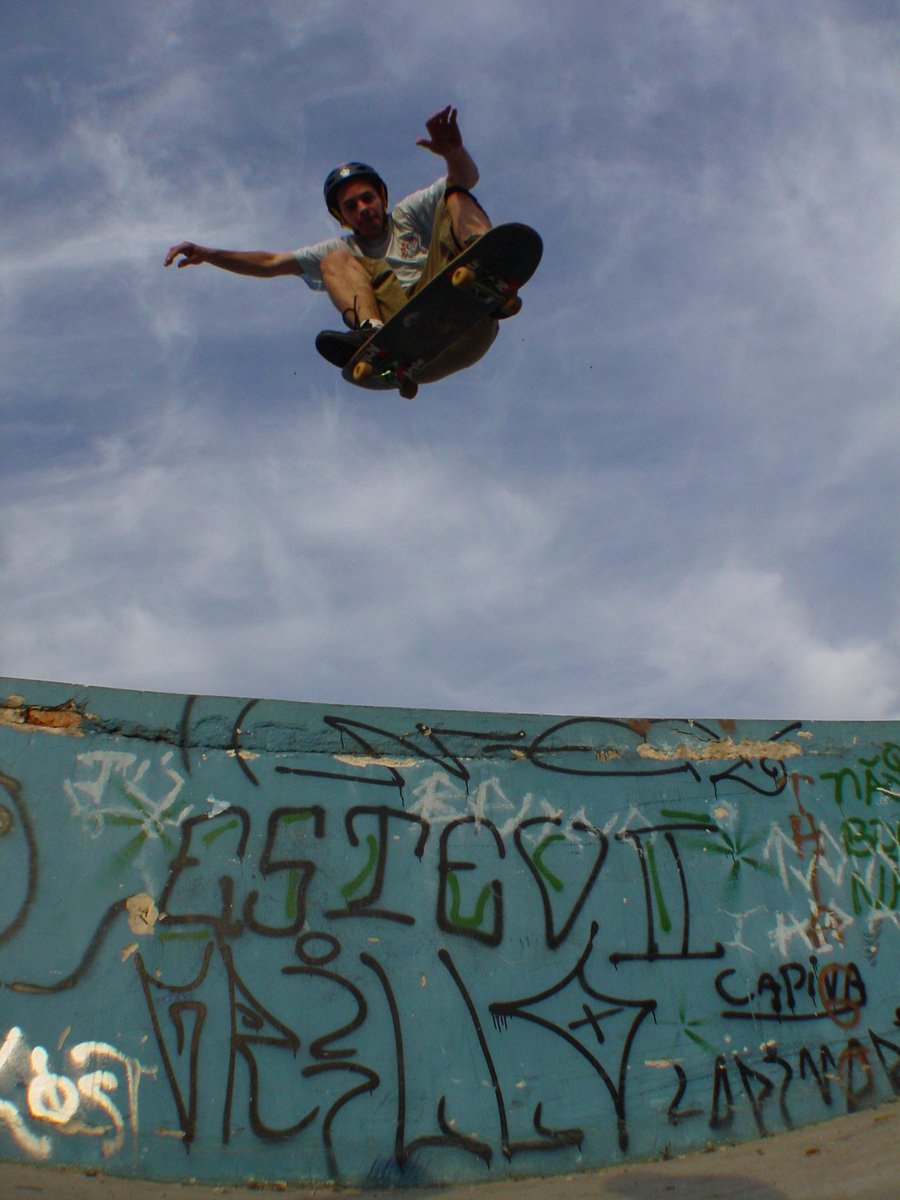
x=511 y=307
x=362 y=372
x=463 y=278
x=408 y=389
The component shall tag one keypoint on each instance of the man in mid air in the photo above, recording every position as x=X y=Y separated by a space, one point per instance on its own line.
x=388 y=255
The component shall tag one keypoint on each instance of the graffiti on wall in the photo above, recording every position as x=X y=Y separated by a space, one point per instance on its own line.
x=280 y=941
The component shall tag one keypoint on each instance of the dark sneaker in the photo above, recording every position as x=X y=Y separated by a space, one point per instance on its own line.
x=339 y=347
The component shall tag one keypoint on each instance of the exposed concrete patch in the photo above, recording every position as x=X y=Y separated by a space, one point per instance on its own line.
x=368 y=760
x=607 y=755
x=722 y=748
x=142 y=914
x=36 y=718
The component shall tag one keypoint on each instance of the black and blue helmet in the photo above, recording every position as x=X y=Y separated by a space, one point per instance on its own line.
x=344 y=173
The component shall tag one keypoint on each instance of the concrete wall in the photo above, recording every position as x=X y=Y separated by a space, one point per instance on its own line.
x=285 y=941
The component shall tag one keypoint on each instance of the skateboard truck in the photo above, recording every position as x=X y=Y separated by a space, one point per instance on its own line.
x=469 y=278
x=366 y=370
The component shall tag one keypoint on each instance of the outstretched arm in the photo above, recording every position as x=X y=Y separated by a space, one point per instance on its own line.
x=260 y=263
x=445 y=140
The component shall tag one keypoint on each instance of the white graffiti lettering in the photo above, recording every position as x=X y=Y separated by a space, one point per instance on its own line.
x=69 y=1104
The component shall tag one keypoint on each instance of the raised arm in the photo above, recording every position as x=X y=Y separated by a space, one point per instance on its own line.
x=445 y=140
x=260 y=263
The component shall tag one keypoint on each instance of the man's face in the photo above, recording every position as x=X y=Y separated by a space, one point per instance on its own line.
x=362 y=208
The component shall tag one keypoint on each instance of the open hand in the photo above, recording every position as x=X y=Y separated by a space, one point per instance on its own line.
x=443 y=133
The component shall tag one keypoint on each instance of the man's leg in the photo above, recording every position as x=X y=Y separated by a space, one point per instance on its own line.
x=349 y=286
x=366 y=293
x=467 y=218
x=458 y=219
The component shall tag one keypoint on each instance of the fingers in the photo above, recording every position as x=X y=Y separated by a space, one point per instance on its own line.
x=192 y=255
x=173 y=252
x=443 y=132
x=447 y=116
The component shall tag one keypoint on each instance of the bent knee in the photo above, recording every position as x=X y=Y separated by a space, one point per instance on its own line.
x=339 y=261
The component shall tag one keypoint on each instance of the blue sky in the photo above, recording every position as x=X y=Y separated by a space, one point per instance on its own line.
x=671 y=487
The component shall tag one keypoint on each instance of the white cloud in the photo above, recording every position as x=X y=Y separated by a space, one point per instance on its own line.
x=667 y=489
x=737 y=631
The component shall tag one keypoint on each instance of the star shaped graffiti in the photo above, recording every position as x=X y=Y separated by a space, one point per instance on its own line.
x=599 y=1027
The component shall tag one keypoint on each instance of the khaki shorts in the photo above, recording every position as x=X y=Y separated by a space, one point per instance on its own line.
x=391 y=297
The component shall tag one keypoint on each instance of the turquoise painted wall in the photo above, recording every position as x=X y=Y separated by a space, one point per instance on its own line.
x=247 y=939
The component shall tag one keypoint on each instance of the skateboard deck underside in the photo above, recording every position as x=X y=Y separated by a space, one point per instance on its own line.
x=502 y=261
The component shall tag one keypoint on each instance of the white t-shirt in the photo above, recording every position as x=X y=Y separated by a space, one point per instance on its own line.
x=403 y=245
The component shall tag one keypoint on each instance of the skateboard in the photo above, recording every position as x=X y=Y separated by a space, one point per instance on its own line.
x=482 y=281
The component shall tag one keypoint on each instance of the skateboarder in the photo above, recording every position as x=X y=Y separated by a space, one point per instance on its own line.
x=388 y=255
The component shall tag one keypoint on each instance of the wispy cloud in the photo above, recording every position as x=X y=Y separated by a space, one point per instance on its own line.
x=667 y=490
